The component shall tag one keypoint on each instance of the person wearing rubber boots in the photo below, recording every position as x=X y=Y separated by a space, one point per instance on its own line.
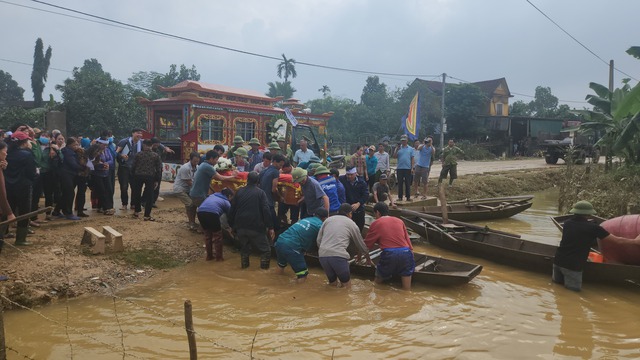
x=209 y=214
x=251 y=220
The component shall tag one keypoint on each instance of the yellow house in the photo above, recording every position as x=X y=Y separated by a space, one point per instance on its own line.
x=498 y=91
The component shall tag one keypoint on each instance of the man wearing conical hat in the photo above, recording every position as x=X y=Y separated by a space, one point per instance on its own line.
x=579 y=235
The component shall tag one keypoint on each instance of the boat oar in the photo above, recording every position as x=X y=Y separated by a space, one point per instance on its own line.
x=440 y=230
x=26 y=216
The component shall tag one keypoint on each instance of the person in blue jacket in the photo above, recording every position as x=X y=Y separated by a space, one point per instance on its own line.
x=209 y=213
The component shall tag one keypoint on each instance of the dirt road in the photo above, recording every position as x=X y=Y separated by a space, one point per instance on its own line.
x=481 y=167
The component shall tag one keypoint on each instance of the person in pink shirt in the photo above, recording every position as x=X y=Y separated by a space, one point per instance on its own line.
x=390 y=234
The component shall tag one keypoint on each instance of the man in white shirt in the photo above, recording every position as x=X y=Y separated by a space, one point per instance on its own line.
x=383 y=166
x=303 y=154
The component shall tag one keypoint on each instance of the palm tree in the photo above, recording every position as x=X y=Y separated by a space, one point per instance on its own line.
x=287 y=68
x=325 y=90
x=283 y=89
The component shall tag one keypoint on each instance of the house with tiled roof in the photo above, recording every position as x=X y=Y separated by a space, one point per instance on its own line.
x=496 y=91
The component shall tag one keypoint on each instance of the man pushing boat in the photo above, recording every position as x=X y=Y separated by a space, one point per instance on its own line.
x=391 y=236
x=578 y=236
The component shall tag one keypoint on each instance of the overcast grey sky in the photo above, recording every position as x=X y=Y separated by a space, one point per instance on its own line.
x=471 y=40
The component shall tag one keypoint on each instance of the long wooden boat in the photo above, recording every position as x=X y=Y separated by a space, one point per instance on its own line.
x=520 y=198
x=510 y=250
x=430 y=270
x=469 y=211
x=558 y=221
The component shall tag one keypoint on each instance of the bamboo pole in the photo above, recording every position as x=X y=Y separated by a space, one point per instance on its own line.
x=443 y=204
x=191 y=334
x=3 y=349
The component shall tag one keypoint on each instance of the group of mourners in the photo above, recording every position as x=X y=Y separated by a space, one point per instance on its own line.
x=328 y=218
x=37 y=163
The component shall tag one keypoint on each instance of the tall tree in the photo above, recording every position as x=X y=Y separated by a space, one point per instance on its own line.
x=283 y=89
x=10 y=91
x=40 y=69
x=545 y=104
x=146 y=83
x=463 y=102
x=519 y=108
x=287 y=68
x=339 y=127
x=325 y=90
x=94 y=101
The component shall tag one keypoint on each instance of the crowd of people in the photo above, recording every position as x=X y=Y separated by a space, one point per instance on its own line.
x=40 y=164
x=329 y=216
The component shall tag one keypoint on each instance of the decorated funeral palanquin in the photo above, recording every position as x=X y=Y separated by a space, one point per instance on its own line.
x=290 y=191
x=196 y=116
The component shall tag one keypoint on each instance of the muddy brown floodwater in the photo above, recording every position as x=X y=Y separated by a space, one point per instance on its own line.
x=504 y=313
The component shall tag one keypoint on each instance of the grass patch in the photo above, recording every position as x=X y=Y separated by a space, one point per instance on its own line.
x=154 y=258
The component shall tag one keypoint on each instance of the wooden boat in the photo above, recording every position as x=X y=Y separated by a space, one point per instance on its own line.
x=430 y=270
x=504 y=248
x=522 y=198
x=558 y=221
x=470 y=210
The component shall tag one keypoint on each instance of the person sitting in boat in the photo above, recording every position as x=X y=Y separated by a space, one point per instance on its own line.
x=381 y=191
x=578 y=236
x=296 y=240
x=390 y=234
x=335 y=235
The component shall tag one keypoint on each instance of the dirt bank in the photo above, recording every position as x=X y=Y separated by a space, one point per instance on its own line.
x=56 y=265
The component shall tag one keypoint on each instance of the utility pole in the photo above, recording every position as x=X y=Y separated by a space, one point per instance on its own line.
x=443 y=121
x=611 y=67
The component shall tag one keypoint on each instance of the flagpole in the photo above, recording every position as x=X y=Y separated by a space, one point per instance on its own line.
x=443 y=121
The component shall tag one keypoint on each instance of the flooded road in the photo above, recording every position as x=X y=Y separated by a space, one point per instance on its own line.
x=504 y=313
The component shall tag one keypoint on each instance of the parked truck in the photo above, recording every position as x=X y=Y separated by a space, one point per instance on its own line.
x=574 y=146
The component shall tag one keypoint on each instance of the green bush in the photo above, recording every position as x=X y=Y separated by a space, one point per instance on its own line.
x=475 y=151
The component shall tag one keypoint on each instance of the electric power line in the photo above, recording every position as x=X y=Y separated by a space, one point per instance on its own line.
x=578 y=41
x=519 y=94
x=24 y=63
x=183 y=38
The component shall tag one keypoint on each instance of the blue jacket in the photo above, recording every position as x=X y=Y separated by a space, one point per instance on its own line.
x=330 y=187
x=356 y=192
x=216 y=204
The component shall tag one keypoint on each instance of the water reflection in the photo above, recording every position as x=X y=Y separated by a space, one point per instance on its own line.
x=504 y=313
x=575 y=338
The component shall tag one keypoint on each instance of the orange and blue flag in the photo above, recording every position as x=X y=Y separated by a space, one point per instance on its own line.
x=411 y=121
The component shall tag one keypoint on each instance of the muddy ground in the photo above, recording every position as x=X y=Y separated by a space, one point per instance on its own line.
x=56 y=265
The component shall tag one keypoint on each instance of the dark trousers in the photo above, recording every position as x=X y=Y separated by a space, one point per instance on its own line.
x=249 y=239
x=452 y=170
x=81 y=192
x=358 y=218
x=104 y=192
x=124 y=178
x=50 y=187
x=19 y=198
x=67 y=186
x=147 y=196
x=404 y=178
x=36 y=192
x=294 y=212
